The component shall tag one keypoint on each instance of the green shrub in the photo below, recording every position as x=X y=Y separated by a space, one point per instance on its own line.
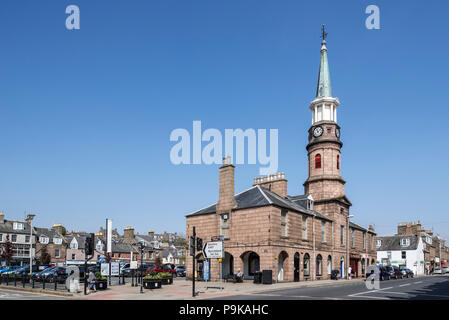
x=98 y=276
x=154 y=276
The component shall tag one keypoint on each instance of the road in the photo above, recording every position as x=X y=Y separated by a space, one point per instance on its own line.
x=421 y=288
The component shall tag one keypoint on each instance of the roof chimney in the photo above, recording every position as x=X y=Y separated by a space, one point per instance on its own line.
x=226 y=200
x=58 y=228
x=2 y=217
x=128 y=235
x=274 y=182
x=151 y=233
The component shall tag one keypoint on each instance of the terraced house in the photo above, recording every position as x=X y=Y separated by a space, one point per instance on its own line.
x=300 y=237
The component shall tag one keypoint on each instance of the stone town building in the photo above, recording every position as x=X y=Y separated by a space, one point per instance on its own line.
x=436 y=253
x=300 y=237
x=53 y=243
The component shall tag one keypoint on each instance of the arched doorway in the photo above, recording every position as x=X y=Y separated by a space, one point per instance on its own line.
x=306 y=265
x=199 y=266
x=363 y=267
x=228 y=265
x=281 y=259
x=342 y=267
x=251 y=264
x=296 y=265
x=319 y=266
x=329 y=266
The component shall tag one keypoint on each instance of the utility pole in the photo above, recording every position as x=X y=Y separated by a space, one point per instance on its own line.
x=29 y=218
x=192 y=253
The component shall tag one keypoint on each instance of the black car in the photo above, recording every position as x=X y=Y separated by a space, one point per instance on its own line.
x=56 y=274
x=395 y=272
x=383 y=273
x=406 y=273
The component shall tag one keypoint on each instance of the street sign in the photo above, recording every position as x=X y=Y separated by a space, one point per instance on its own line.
x=133 y=265
x=115 y=269
x=206 y=270
x=192 y=246
x=213 y=250
x=104 y=269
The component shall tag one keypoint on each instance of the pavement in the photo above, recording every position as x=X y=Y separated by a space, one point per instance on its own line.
x=422 y=288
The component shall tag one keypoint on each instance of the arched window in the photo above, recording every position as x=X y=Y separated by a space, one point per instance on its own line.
x=318 y=161
x=306 y=265
x=319 y=265
x=329 y=265
x=338 y=162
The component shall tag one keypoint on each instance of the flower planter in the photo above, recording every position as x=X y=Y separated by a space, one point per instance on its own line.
x=167 y=280
x=152 y=284
x=101 y=284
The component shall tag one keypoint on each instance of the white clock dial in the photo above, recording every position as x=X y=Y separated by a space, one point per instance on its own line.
x=318 y=131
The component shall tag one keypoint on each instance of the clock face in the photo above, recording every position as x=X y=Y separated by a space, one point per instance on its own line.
x=318 y=131
x=337 y=132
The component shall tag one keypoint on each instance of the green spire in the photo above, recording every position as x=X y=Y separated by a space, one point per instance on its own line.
x=324 y=89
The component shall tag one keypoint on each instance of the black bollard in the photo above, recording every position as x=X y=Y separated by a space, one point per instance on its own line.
x=32 y=283
x=15 y=280
x=56 y=284
x=43 y=283
x=23 y=281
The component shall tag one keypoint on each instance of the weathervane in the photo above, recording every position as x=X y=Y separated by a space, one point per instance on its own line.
x=324 y=35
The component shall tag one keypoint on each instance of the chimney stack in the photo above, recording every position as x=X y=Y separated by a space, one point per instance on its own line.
x=58 y=228
x=226 y=200
x=128 y=235
x=371 y=228
x=274 y=182
x=2 y=217
x=151 y=233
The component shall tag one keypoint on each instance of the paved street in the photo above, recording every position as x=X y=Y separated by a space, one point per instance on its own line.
x=17 y=295
x=422 y=288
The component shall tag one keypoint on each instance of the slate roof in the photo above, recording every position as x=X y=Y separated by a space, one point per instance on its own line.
x=121 y=247
x=393 y=243
x=7 y=227
x=258 y=196
x=81 y=241
x=50 y=233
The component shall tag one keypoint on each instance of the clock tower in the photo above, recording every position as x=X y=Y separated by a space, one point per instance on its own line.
x=324 y=182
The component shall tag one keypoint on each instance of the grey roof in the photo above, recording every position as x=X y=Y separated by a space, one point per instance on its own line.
x=121 y=247
x=81 y=241
x=259 y=197
x=50 y=233
x=166 y=252
x=7 y=227
x=393 y=243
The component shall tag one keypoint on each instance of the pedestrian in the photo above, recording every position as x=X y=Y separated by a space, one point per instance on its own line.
x=239 y=277
x=91 y=282
x=349 y=273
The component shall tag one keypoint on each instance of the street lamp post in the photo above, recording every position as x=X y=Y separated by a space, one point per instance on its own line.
x=142 y=247
x=29 y=219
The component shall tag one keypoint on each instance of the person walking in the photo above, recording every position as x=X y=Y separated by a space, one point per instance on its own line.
x=91 y=282
x=349 y=273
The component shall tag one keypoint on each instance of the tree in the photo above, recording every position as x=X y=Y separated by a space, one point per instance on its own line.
x=7 y=250
x=63 y=231
x=45 y=256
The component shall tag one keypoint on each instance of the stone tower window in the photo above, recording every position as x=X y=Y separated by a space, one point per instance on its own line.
x=318 y=161
x=338 y=162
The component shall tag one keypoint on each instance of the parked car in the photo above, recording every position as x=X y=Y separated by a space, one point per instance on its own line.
x=10 y=269
x=58 y=274
x=445 y=270
x=406 y=273
x=394 y=272
x=437 y=271
x=164 y=268
x=383 y=273
x=180 y=271
x=40 y=276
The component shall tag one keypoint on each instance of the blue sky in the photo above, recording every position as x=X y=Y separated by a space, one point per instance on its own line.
x=86 y=115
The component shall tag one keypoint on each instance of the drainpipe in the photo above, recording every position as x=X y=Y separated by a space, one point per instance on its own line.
x=313 y=244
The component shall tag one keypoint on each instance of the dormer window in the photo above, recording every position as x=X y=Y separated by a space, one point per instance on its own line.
x=57 y=240
x=378 y=243
x=74 y=244
x=310 y=202
x=17 y=226
x=44 y=239
x=405 y=242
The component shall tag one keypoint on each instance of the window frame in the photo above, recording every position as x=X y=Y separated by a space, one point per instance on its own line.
x=318 y=160
x=284 y=223
x=305 y=228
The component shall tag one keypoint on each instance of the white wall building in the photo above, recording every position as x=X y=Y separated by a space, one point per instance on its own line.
x=406 y=251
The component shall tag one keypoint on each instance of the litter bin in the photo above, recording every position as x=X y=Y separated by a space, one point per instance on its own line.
x=334 y=274
x=258 y=277
x=267 y=276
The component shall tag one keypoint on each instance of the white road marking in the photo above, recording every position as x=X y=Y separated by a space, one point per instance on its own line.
x=371 y=291
x=377 y=298
x=404 y=285
x=418 y=282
